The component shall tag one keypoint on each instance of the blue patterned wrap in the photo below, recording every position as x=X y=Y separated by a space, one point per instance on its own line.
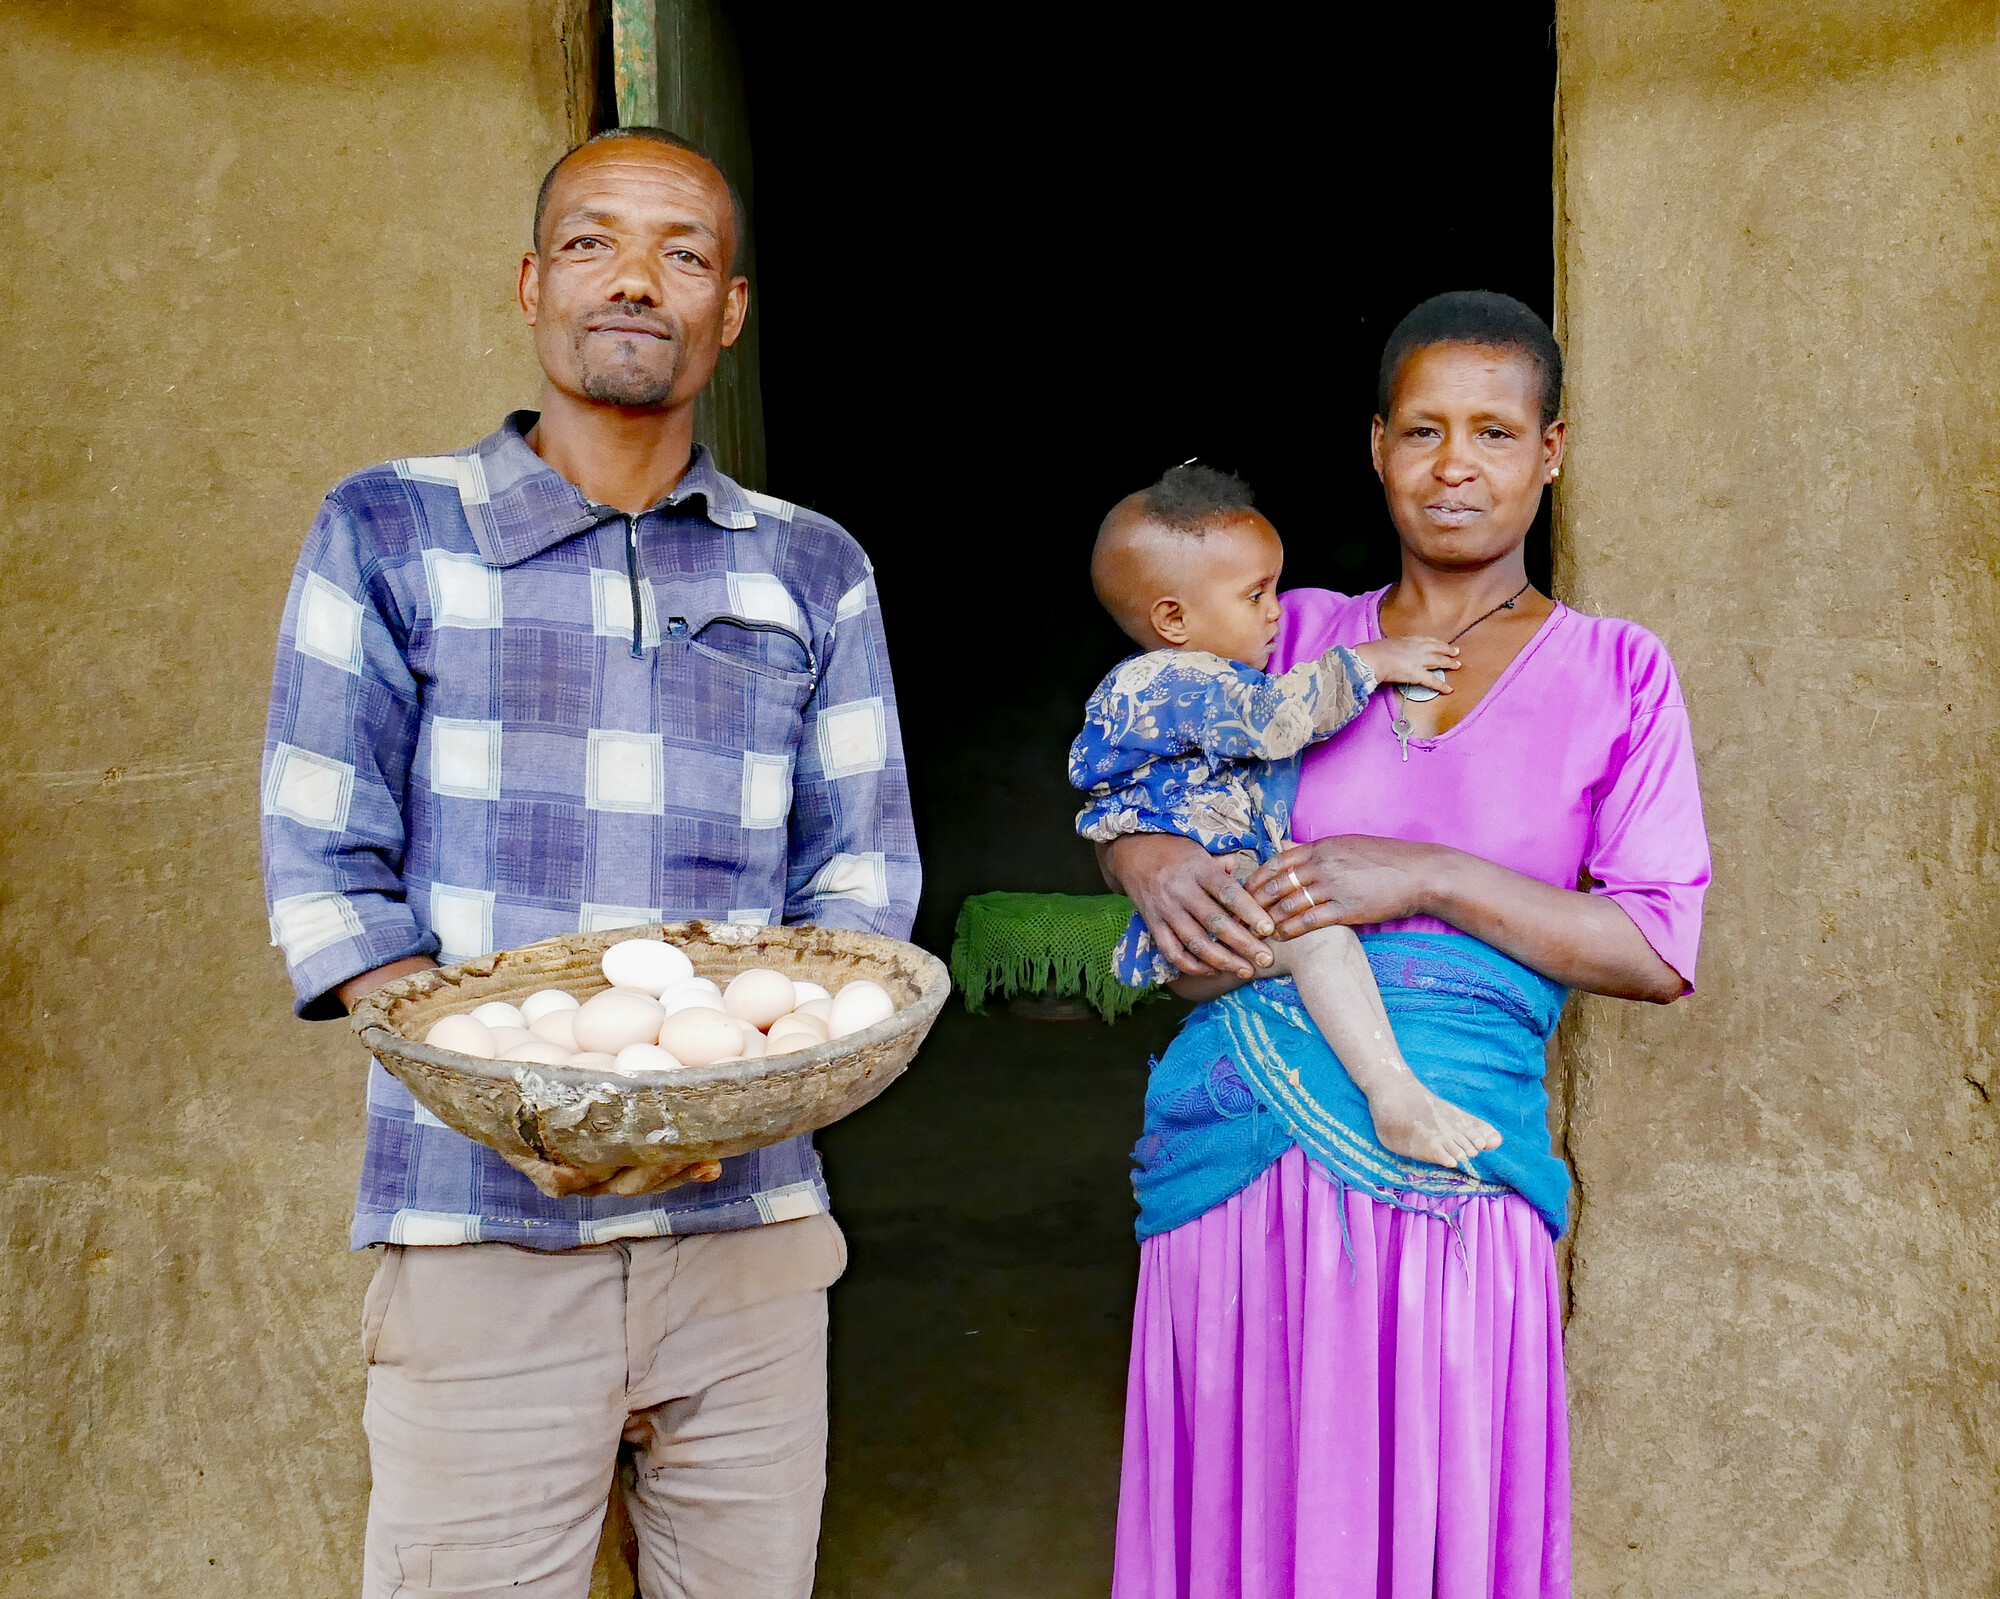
x=1250 y=1076
x=1184 y=741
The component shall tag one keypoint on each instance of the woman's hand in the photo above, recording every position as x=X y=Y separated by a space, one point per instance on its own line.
x=1198 y=914
x=1580 y=940
x=1346 y=880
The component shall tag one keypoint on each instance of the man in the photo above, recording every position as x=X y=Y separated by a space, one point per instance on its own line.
x=574 y=677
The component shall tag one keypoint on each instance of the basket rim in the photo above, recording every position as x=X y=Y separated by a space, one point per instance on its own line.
x=368 y=1023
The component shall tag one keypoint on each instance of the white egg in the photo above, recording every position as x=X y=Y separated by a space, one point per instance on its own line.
x=801 y=992
x=692 y=996
x=644 y=1058
x=506 y=1038
x=591 y=1059
x=706 y=985
x=755 y=1047
x=785 y=1040
x=546 y=1002
x=498 y=1013
x=540 y=1051
x=811 y=1026
x=645 y=963
x=821 y=1008
x=607 y=1022
x=463 y=1035
x=701 y=1037
x=558 y=1027
x=759 y=996
x=859 y=1004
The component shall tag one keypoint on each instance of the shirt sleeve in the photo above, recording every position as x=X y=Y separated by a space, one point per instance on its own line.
x=853 y=845
x=1648 y=845
x=337 y=752
x=1172 y=703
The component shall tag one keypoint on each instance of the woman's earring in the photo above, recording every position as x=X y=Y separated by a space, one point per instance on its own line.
x=1554 y=473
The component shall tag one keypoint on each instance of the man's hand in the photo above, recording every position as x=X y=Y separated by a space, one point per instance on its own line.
x=356 y=989
x=589 y=1182
x=558 y=1182
x=1196 y=911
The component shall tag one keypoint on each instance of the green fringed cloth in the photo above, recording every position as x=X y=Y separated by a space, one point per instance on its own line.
x=1021 y=943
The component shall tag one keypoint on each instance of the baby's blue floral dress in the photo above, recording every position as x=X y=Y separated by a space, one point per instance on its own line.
x=1182 y=741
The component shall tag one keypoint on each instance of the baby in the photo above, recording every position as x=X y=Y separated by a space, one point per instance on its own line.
x=1193 y=738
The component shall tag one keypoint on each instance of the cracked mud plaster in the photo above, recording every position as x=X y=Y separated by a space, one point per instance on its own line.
x=303 y=228
x=1776 y=241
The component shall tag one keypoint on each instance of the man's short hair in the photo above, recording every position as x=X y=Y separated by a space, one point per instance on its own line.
x=739 y=217
x=1477 y=317
x=1190 y=496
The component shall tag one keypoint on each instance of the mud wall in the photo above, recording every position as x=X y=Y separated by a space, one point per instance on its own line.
x=253 y=246
x=1776 y=236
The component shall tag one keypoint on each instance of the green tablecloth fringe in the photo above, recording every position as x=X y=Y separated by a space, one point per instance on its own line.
x=1010 y=944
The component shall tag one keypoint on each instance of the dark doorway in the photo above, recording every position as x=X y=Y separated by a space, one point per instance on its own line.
x=1008 y=273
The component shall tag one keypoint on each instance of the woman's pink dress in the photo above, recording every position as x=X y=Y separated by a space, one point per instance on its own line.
x=1312 y=1416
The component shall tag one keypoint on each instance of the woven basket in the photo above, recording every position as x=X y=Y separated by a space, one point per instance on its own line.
x=600 y=1120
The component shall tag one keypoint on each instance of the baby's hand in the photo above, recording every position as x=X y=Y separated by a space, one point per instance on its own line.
x=1411 y=660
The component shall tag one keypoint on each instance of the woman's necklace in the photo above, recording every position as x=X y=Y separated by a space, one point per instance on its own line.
x=1418 y=693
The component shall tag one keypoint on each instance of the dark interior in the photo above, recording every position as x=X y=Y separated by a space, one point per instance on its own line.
x=1007 y=274
x=1011 y=272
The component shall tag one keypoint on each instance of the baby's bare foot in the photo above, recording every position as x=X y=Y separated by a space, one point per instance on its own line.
x=1410 y=1120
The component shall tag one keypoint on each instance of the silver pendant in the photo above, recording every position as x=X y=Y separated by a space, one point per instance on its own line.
x=1417 y=693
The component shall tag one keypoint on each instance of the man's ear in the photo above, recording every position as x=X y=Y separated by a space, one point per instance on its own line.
x=529 y=290
x=1169 y=621
x=1375 y=444
x=735 y=311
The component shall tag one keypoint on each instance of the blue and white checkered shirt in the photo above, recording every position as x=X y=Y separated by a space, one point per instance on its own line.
x=502 y=713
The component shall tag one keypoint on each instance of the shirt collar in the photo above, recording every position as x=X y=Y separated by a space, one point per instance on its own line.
x=517 y=505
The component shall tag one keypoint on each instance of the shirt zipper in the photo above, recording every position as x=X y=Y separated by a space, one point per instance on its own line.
x=632 y=574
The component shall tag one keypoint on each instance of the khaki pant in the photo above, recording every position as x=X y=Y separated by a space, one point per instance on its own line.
x=501 y=1380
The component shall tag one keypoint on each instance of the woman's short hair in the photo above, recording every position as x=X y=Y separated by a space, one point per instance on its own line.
x=1475 y=316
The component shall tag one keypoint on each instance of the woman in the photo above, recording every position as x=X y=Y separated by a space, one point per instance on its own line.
x=1347 y=1373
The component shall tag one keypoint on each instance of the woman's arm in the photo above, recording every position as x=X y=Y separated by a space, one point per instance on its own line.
x=1580 y=940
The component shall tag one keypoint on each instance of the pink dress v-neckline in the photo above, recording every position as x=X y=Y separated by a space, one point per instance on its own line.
x=1507 y=673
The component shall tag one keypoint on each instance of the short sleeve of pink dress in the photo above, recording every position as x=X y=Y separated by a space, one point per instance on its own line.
x=1577 y=762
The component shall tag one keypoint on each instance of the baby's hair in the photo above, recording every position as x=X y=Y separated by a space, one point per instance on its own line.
x=1194 y=494
x=1147 y=537
x=1481 y=318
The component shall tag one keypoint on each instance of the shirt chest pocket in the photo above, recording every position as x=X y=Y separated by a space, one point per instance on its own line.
x=739 y=682
x=755 y=645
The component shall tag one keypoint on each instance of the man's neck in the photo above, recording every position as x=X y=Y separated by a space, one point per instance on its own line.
x=626 y=458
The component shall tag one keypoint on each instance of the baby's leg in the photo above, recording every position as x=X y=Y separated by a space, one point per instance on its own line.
x=1340 y=995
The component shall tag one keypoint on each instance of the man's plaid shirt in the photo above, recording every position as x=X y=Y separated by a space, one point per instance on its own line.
x=502 y=713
